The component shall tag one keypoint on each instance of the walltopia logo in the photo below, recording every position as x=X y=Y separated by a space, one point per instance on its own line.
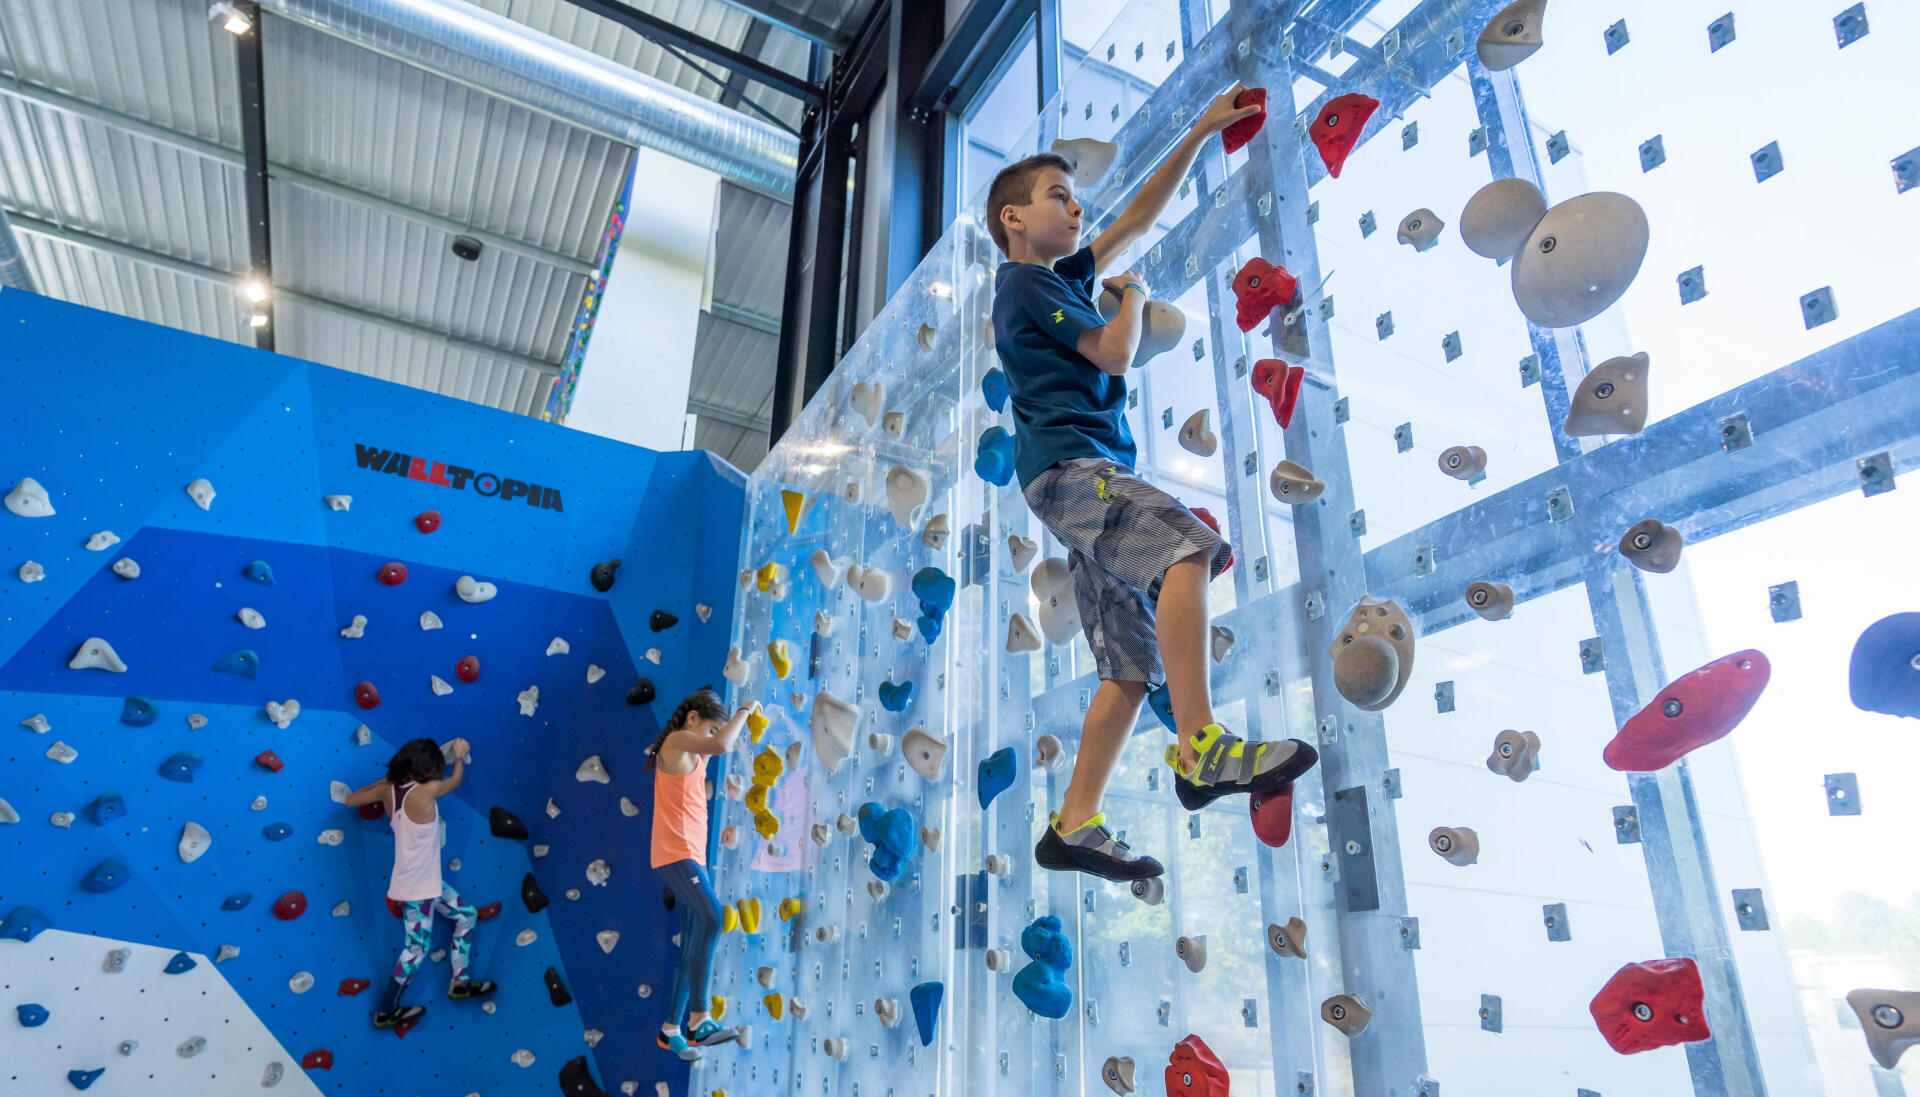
x=429 y=471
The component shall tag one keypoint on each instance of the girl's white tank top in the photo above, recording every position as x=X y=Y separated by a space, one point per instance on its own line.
x=416 y=852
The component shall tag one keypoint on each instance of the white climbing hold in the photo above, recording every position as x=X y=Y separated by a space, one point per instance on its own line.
x=202 y=493
x=925 y=752
x=31 y=572
x=598 y=872
x=1221 y=642
x=594 y=673
x=96 y=654
x=1021 y=551
x=653 y=656
x=191 y=1047
x=1021 y=635
x=877 y=889
x=730 y=837
x=62 y=753
x=227 y=952
x=357 y=629
x=902 y=629
x=440 y=685
x=125 y=568
x=846 y=824
x=473 y=590
x=607 y=938
x=339 y=791
x=453 y=865
x=529 y=699
x=736 y=668
x=736 y=786
x=332 y=836
x=558 y=647
x=488 y=1007
x=880 y=744
x=7 y=814
x=823 y=622
x=594 y=1036
x=793 y=755
x=194 y=841
x=833 y=724
x=251 y=618
x=338 y=502
x=62 y=819
x=301 y=982
x=363 y=735
x=282 y=713
x=593 y=769
x=703 y=611
x=930 y=838
x=259 y=803
x=1196 y=434
x=1052 y=584
x=764 y=976
x=37 y=723
x=553 y=809
x=628 y=808
x=907 y=491
x=1090 y=157
x=826 y=567
x=102 y=541
x=826 y=934
x=821 y=833
x=893 y=424
x=866 y=399
x=938 y=528
x=437 y=955
x=777 y=590
x=343 y=909
x=525 y=938
x=523 y=1057
x=871 y=584
x=29 y=500
x=430 y=620
x=798 y=1006
x=195 y=721
x=1047 y=752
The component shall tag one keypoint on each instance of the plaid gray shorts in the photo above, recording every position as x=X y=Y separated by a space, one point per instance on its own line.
x=1122 y=534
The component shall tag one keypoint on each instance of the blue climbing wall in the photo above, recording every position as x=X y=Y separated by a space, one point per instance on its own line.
x=115 y=417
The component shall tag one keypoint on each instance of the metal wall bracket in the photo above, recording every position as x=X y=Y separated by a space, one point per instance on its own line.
x=1593 y=657
x=1783 y=601
x=1876 y=474
x=1626 y=824
x=1843 y=794
x=1767 y=162
x=1735 y=432
x=1409 y=933
x=1559 y=504
x=1750 y=909
x=1817 y=307
x=1693 y=285
x=1352 y=838
x=1443 y=697
x=1390 y=783
x=1403 y=437
x=1450 y=345
x=1423 y=560
x=1554 y=916
x=1529 y=371
x=1720 y=33
x=1490 y=1013
x=1383 y=324
x=1367 y=224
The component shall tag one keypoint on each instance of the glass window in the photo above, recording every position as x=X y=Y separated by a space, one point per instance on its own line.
x=999 y=115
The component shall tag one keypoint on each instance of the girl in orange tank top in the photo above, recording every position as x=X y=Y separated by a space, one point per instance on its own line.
x=698 y=730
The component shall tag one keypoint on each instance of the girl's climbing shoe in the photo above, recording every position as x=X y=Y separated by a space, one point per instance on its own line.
x=1091 y=849
x=467 y=988
x=1229 y=764
x=404 y=1015
x=710 y=1032
x=677 y=1044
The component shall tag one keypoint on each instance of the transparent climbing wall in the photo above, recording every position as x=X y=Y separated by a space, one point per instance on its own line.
x=1774 y=302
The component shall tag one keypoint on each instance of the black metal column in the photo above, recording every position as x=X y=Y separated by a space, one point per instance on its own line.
x=253 y=139
x=789 y=390
x=924 y=142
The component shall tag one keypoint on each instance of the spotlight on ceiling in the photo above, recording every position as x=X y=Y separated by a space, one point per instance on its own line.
x=233 y=20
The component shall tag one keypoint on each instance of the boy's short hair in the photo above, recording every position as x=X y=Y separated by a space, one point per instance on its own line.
x=1014 y=187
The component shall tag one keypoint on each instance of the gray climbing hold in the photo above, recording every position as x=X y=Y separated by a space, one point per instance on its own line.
x=128 y=1047
x=37 y=723
x=1021 y=634
x=1492 y=601
x=196 y=721
x=96 y=654
x=338 y=502
x=1117 y=1072
x=29 y=500
x=1090 y=159
x=1890 y=1019
x=227 y=952
x=1514 y=754
x=593 y=769
x=1292 y=483
x=31 y=572
x=1373 y=655
x=934 y=535
x=7 y=814
x=194 y=841
x=1500 y=216
x=356 y=629
x=1196 y=434
x=1052 y=583
x=1512 y=36
x=301 y=982
x=1611 y=399
x=1021 y=551
x=271 y=1076
x=192 y=1047
x=1463 y=462
x=473 y=591
x=1580 y=258
x=102 y=541
x=1163 y=325
x=251 y=618
x=1421 y=229
x=202 y=493
x=1652 y=546
x=116 y=961
x=62 y=753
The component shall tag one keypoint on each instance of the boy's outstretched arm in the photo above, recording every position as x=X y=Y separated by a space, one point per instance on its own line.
x=1157 y=191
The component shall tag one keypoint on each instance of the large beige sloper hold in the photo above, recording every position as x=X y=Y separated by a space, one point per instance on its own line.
x=1511 y=36
x=1052 y=584
x=1290 y=482
x=833 y=722
x=1610 y=399
x=1164 y=325
x=1192 y=952
x=1373 y=655
x=907 y=491
x=925 y=752
x=1514 y=754
x=1500 y=216
x=1458 y=845
x=29 y=500
x=1090 y=157
x=1890 y=1019
x=1021 y=635
x=1492 y=601
x=1196 y=434
x=1580 y=259
x=872 y=584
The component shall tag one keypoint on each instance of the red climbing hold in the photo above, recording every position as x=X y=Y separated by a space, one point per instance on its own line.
x=351 y=987
x=1280 y=384
x=467 y=669
x=1213 y=524
x=489 y=912
x=269 y=760
x=317 y=1060
x=366 y=695
x=393 y=574
x=1338 y=127
x=427 y=521
x=1258 y=289
x=1238 y=134
x=1272 y=815
x=372 y=811
x=404 y=1026
x=1650 y=1005
x=394 y=908
x=1193 y=1070
x=290 y=906
x=1694 y=710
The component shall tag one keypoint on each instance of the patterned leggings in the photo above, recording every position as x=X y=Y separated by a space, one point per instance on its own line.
x=417 y=918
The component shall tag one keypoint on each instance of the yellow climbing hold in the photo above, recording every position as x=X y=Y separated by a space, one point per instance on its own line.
x=716 y=1006
x=756 y=799
x=791 y=908
x=729 y=920
x=757 y=724
x=769 y=574
x=767 y=823
x=767 y=765
x=749 y=914
x=795 y=505
x=777 y=657
x=776 y=1005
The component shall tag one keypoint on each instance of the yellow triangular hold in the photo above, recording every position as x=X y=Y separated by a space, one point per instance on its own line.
x=796 y=505
x=729 y=919
x=776 y=1005
x=749 y=915
x=778 y=658
x=716 y=1006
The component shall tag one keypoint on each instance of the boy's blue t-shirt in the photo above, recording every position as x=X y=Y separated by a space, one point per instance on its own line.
x=1063 y=405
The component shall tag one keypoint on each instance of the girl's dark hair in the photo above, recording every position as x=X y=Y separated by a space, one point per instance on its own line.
x=703 y=703
x=419 y=760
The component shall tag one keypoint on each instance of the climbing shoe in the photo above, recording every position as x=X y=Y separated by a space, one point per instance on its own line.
x=710 y=1032
x=677 y=1044
x=405 y=1015
x=467 y=988
x=1229 y=764
x=1091 y=849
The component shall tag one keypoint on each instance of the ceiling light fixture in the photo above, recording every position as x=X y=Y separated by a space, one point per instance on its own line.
x=258 y=320
x=236 y=23
x=256 y=290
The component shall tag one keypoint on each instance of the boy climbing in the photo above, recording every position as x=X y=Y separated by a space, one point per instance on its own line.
x=698 y=729
x=410 y=793
x=1140 y=560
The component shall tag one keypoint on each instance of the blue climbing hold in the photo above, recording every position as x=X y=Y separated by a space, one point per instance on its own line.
x=180 y=767
x=993 y=385
x=895 y=696
x=892 y=836
x=1884 y=673
x=24 y=924
x=182 y=962
x=81 y=1079
x=237 y=901
x=245 y=663
x=929 y=627
x=1039 y=985
x=106 y=876
x=997 y=771
x=993 y=458
x=259 y=572
x=935 y=589
x=276 y=832
x=105 y=808
x=138 y=712
x=926 y=999
x=31 y=1016
x=1161 y=702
